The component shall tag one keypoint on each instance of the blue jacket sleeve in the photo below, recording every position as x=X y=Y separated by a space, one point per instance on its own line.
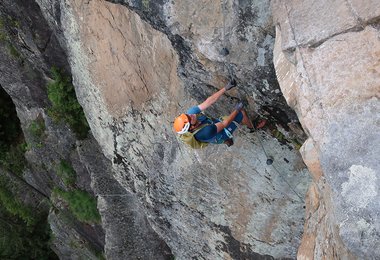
x=193 y=110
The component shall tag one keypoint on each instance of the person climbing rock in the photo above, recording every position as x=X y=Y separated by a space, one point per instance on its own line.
x=198 y=130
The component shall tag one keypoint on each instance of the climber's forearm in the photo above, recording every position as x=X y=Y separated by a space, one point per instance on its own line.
x=221 y=125
x=212 y=99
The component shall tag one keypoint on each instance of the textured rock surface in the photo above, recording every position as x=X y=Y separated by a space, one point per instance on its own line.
x=24 y=75
x=137 y=64
x=25 y=71
x=332 y=80
x=128 y=233
x=133 y=74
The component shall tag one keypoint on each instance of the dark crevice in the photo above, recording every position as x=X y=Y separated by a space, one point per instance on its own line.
x=360 y=27
x=10 y=127
x=27 y=228
x=12 y=143
x=47 y=43
x=238 y=250
x=12 y=140
x=375 y=23
x=314 y=45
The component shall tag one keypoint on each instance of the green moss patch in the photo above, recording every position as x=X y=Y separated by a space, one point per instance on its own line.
x=67 y=173
x=81 y=204
x=65 y=106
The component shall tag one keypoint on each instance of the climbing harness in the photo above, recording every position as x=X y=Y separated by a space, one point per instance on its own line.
x=189 y=139
x=228 y=133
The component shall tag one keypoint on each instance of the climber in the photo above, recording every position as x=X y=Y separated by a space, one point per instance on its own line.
x=197 y=130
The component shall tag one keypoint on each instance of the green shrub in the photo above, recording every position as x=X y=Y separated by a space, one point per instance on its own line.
x=81 y=204
x=37 y=128
x=65 y=106
x=145 y=4
x=6 y=25
x=13 y=51
x=18 y=241
x=67 y=173
x=3 y=37
x=15 y=23
x=100 y=255
x=14 y=160
x=297 y=144
x=15 y=207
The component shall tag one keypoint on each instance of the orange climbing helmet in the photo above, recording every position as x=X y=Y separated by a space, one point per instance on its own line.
x=182 y=124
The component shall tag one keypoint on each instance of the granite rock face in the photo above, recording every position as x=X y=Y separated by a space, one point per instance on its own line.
x=29 y=48
x=136 y=65
x=329 y=71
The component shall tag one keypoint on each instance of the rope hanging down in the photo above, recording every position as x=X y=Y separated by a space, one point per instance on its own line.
x=270 y=161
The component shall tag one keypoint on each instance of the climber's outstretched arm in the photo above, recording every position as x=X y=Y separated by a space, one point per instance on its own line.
x=214 y=97
x=211 y=99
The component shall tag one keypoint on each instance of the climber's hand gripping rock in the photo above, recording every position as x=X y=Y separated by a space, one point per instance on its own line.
x=239 y=106
x=230 y=84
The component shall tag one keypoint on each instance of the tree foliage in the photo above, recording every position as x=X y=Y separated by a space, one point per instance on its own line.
x=65 y=106
x=25 y=232
x=20 y=242
x=67 y=173
x=14 y=206
x=81 y=204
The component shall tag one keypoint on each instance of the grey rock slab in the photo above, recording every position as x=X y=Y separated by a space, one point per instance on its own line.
x=368 y=10
x=342 y=74
x=128 y=234
x=308 y=22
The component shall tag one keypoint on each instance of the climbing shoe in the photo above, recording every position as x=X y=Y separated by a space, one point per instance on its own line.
x=259 y=123
x=229 y=142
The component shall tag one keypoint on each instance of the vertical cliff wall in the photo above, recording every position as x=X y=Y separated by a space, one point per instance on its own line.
x=136 y=65
x=327 y=63
x=29 y=49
